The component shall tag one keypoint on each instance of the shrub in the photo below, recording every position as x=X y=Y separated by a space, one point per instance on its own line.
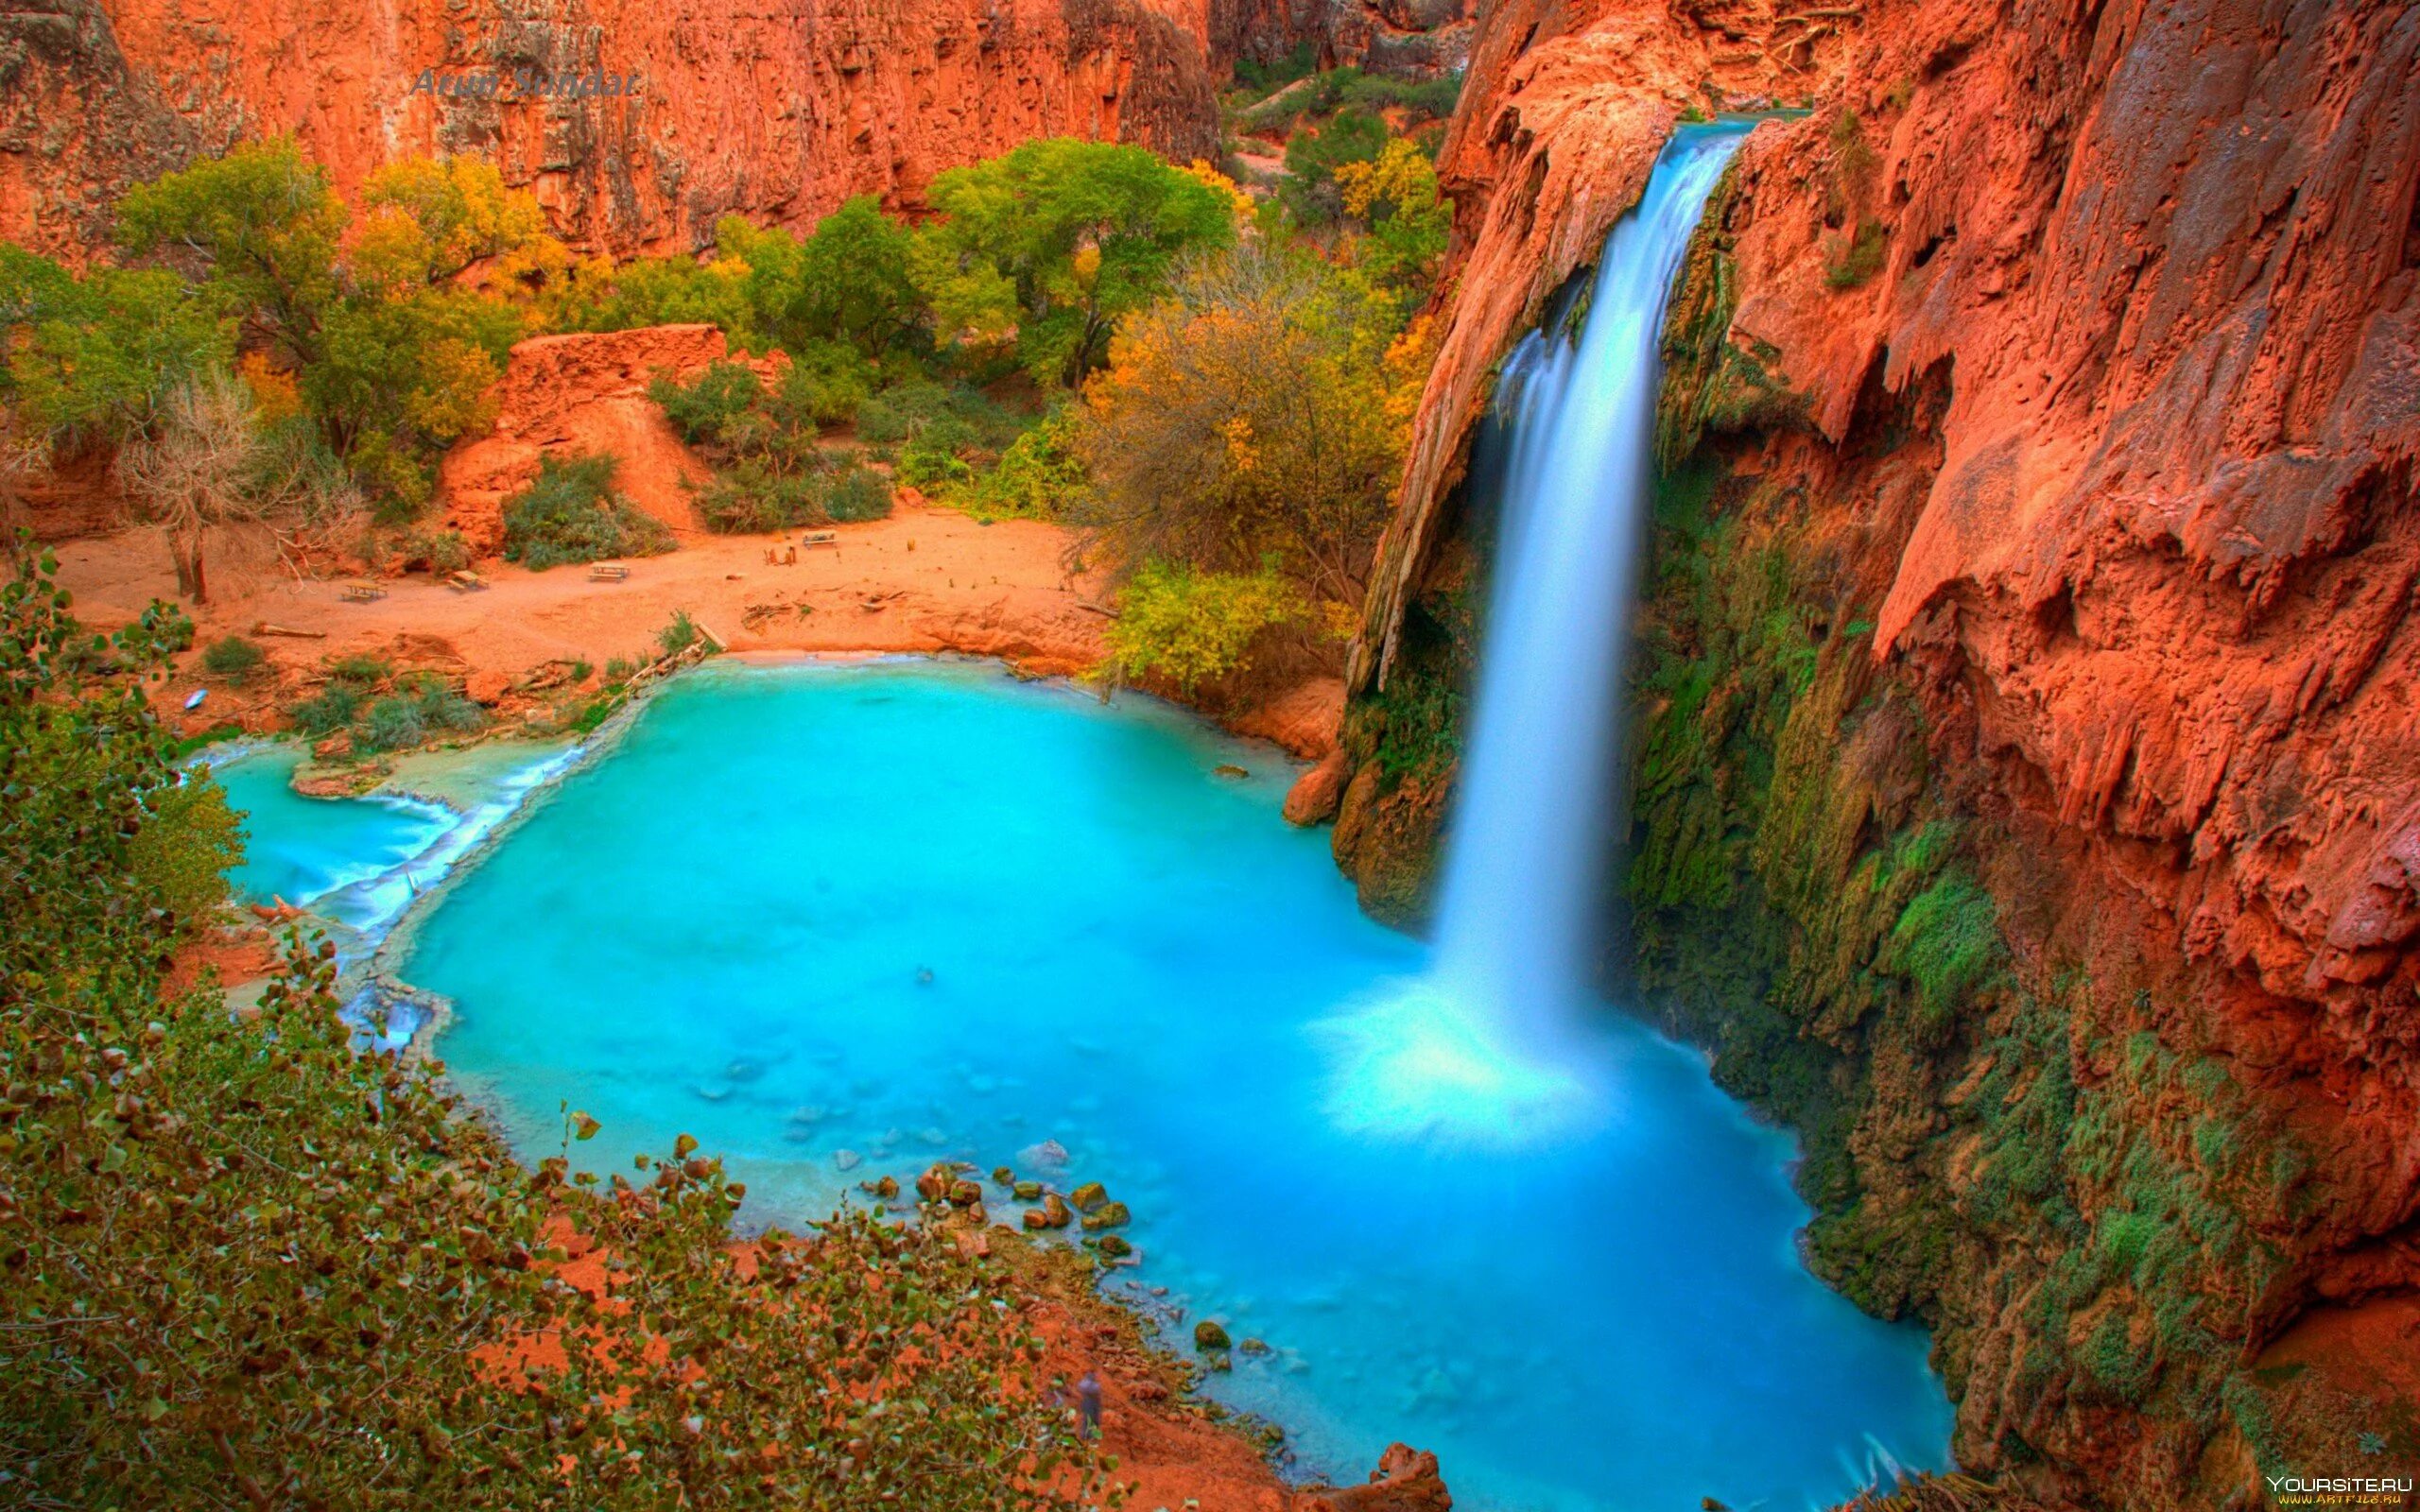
x=328 y=711
x=444 y=711
x=1192 y=626
x=233 y=658
x=569 y=513
x=1038 y=477
x=750 y=498
x=827 y=385
x=857 y=493
x=705 y=409
x=365 y=669
x=392 y=724
x=678 y=635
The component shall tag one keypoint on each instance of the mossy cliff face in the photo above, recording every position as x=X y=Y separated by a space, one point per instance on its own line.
x=2026 y=751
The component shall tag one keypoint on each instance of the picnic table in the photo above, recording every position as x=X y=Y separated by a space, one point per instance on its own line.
x=820 y=538
x=363 y=592
x=608 y=572
x=466 y=582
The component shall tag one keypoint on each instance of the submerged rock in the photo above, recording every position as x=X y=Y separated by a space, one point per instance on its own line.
x=1048 y=1155
x=1112 y=1246
x=847 y=1159
x=1209 y=1335
x=1002 y=1176
x=1112 y=1215
x=1027 y=1191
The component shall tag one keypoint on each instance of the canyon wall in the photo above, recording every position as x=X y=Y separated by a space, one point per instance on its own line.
x=779 y=112
x=2027 y=764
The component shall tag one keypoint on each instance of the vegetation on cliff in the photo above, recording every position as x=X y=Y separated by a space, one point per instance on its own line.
x=254 y=1260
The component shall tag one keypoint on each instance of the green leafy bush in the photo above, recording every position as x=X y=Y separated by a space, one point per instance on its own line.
x=679 y=634
x=706 y=408
x=1190 y=627
x=826 y=383
x=569 y=513
x=1041 y=476
x=857 y=493
x=749 y=498
x=233 y=658
x=392 y=724
x=328 y=711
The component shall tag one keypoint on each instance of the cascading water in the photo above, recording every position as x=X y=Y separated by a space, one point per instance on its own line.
x=1483 y=1045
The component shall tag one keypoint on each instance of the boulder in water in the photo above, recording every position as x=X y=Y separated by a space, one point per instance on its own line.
x=1209 y=1335
x=886 y=1188
x=1405 y=1481
x=1048 y=1155
x=1111 y=1215
x=1054 y=1211
x=1114 y=1247
x=1088 y=1196
x=1002 y=1176
x=1027 y=1191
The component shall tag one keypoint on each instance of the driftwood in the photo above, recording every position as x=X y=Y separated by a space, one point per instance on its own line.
x=265 y=628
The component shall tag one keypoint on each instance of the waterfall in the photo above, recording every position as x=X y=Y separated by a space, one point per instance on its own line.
x=1483 y=1045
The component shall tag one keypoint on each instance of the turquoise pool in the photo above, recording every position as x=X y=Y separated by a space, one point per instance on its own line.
x=843 y=921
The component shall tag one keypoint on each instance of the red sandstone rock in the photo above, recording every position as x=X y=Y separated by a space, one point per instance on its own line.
x=583 y=392
x=1405 y=1481
x=1317 y=794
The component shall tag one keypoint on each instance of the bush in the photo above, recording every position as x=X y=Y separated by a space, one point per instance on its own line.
x=1038 y=477
x=857 y=493
x=328 y=711
x=233 y=658
x=751 y=499
x=393 y=724
x=705 y=409
x=828 y=382
x=571 y=514
x=679 y=635
x=1191 y=626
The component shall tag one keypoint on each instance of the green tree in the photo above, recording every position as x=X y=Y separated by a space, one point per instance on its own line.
x=1313 y=155
x=1048 y=247
x=88 y=360
x=267 y=229
x=855 y=282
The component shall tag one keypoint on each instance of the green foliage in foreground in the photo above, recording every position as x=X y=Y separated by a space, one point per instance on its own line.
x=251 y=1264
x=570 y=513
x=1193 y=627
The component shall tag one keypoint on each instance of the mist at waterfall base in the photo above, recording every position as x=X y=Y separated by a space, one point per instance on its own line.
x=1493 y=1044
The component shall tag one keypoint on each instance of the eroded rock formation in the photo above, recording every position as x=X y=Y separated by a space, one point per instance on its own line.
x=777 y=111
x=2028 y=771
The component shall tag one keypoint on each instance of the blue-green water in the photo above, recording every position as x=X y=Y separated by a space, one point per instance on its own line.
x=303 y=849
x=907 y=911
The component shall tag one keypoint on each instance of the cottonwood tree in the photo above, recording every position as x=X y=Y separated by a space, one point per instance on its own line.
x=1255 y=414
x=194 y=473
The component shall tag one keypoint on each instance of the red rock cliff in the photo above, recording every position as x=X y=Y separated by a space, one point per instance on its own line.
x=778 y=111
x=2083 y=369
